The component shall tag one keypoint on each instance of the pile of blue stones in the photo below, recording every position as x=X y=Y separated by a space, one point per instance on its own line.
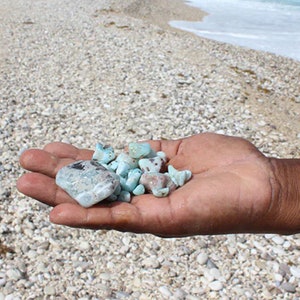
x=107 y=177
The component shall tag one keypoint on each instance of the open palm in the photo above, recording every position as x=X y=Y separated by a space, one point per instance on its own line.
x=230 y=190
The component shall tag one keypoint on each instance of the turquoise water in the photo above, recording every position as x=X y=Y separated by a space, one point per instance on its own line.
x=272 y=26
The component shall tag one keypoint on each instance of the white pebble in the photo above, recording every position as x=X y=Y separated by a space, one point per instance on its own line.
x=151 y=262
x=126 y=240
x=278 y=240
x=215 y=273
x=11 y=297
x=278 y=277
x=261 y=123
x=202 y=258
x=164 y=290
x=84 y=246
x=295 y=271
x=216 y=285
x=180 y=294
x=137 y=282
x=190 y=297
x=14 y=274
x=49 y=290
x=31 y=254
x=208 y=276
x=105 y=276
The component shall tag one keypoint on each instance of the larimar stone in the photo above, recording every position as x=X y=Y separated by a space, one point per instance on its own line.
x=157 y=183
x=140 y=150
x=139 y=190
x=124 y=196
x=113 y=165
x=179 y=177
x=88 y=182
x=162 y=155
x=124 y=157
x=103 y=154
x=131 y=182
x=123 y=169
x=163 y=192
x=124 y=164
x=154 y=164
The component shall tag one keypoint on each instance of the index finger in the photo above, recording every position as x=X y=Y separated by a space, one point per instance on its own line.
x=64 y=150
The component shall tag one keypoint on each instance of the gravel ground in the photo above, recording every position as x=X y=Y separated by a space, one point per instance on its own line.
x=87 y=71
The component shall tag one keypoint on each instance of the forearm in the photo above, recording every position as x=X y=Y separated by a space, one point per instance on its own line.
x=284 y=212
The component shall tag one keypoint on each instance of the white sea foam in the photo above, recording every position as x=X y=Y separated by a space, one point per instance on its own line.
x=272 y=26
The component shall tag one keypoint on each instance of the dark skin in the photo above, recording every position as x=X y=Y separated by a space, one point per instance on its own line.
x=234 y=189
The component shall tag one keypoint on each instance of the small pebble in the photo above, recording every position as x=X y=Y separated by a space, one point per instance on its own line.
x=14 y=274
x=84 y=246
x=12 y=297
x=216 y=285
x=278 y=240
x=202 y=258
x=210 y=264
x=49 y=290
x=164 y=290
x=295 y=271
x=122 y=295
x=278 y=277
x=288 y=287
x=215 y=273
x=180 y=294
x=151 y=262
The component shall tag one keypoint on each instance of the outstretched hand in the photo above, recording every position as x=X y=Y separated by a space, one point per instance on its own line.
x=232 y=190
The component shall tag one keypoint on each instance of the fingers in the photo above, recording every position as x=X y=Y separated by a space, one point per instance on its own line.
x=145 y=214
x=120 y=216
x=63 y=150
x=52 y=158
x=42 y=188
x=40 y=161
x=56 y=155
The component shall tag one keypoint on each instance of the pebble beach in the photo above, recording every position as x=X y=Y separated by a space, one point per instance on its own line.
x=88 y=71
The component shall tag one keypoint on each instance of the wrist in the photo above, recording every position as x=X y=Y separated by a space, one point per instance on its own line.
x=284 y=211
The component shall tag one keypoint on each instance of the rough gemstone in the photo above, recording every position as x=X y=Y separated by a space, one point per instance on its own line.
x=179 y=177
x=140 y=150
x=154 y=164
x=88 y=182
x=124 y=196
x=157 y=183
x=103 y=154
x=139 y=190
x=131 y=182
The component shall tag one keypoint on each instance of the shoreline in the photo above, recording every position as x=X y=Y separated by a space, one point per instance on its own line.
x=162 y=12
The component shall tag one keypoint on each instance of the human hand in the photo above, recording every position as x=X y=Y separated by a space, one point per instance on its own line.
x=233 y=189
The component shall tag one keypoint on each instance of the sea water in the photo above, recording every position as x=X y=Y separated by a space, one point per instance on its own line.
x=272 y=26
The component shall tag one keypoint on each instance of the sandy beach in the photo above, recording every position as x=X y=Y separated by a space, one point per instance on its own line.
x=82 y=72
